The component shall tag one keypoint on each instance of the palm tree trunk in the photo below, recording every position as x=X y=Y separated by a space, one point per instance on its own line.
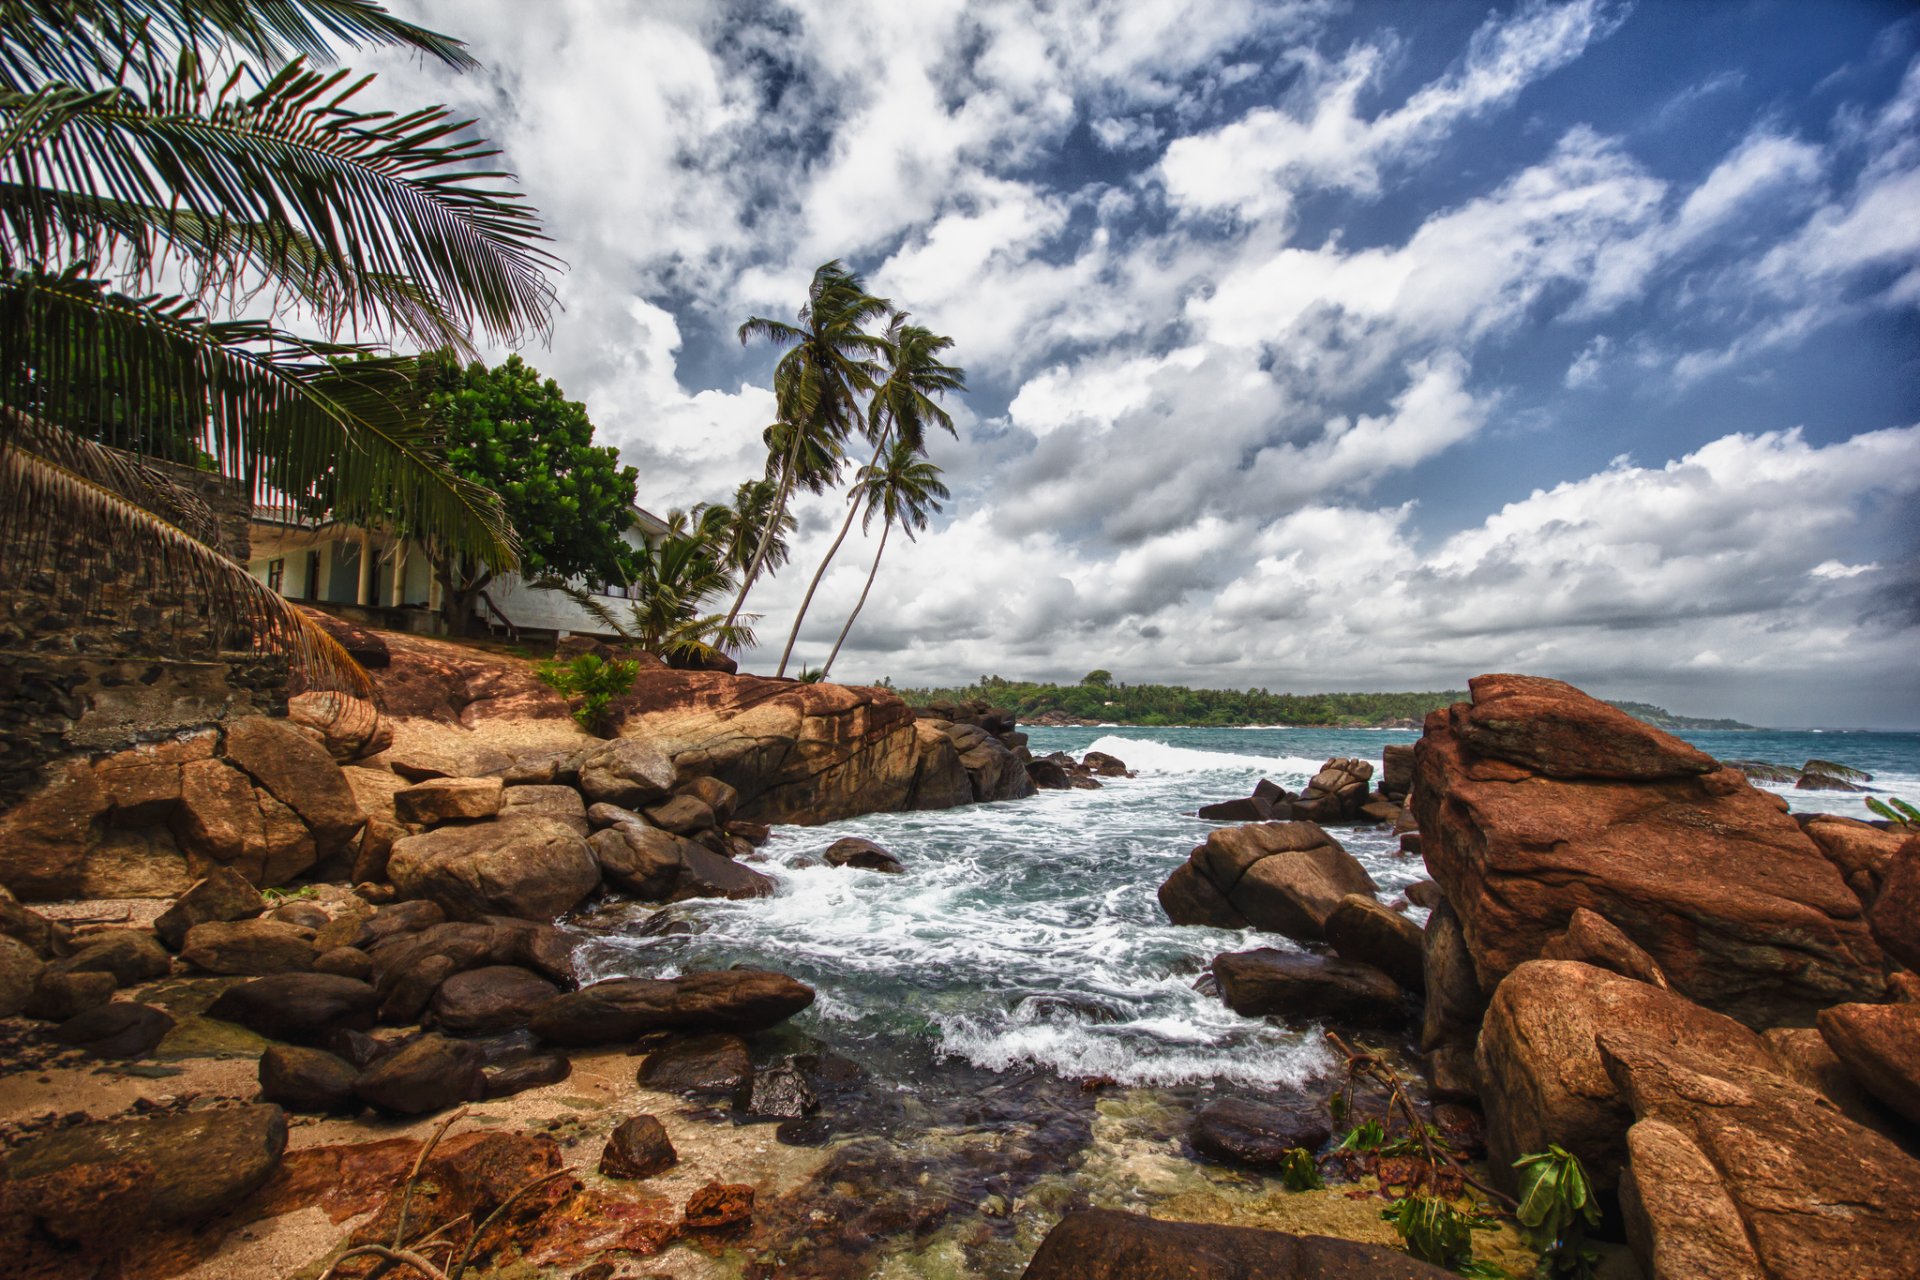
x=853 y=509
x=860 y=604
x=767 y=531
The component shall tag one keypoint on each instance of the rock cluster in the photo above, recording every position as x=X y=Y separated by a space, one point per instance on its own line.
x=1336 y=794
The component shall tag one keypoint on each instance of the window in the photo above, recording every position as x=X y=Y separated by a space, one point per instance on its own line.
x=277 y=576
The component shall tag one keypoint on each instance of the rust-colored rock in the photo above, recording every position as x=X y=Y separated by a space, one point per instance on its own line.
x=1590 y=939
x=1523 y=823
x=1284 y=877
x=440 y=800
x=1879 y=1044
x=638 y=1148
x=719 y=1204
x=300 y=774
x=1896 y=913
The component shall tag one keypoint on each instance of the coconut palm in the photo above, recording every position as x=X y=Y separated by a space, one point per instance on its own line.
x=136 y=148
x=749 y=516
x=903 y=406
x=675 y=579
x=905 y=490
x=830 y=363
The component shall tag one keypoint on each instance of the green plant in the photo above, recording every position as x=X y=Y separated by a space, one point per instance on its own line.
x=1434 y=1231
x=278 y=896
x=809 y=675
x=1298 y=1172
x=1894 y=809
x=1556 y=1208
x=593 y=680
x=1368 y=1135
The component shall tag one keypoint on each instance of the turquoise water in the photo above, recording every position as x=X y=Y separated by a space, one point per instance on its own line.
x=1027 y=936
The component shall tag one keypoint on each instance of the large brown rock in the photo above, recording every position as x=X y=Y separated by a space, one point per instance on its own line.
x=1290 y=984
x=1805 y=1057
x=626 y=772
x=1896 y=914
x=1853 y=846
x=737 y=1000
x=48 y=939
x=187 y=1165
x=1260 y=1134
x=1880 y=1045
x=131 y=957
x=222 y=895
x=440 y=800
x=658 y=866
x=1522 y=823
x=1738 y=1171
x=249 y=948
x=1103 y=1244
x=20 y=974
x=300 y=774
x=1283 y=877
x=430 y=1074
x=488 y=1000
x=1591 y=939
x=561 y=804
x=715 y=1063
x=1542 y=1080
x=531 y=868
x=1362 y=930
x=301 y=1007
x=306 y=1079
x=1455 y=1002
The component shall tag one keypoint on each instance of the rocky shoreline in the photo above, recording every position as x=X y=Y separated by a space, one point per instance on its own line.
x=1631 y=955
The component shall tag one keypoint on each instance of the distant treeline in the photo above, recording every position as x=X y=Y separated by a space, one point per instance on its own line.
x=1101 y=699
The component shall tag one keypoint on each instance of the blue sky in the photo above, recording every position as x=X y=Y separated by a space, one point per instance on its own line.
x=1312 y=345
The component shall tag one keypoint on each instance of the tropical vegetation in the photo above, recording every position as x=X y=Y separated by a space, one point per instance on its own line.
x=166 y=163
x=904 y=490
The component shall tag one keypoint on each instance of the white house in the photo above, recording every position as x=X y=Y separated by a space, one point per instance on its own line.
x=386 y=581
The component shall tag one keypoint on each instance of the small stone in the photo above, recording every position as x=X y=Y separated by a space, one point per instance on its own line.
x=852 y=851
x=639 y=1148
x=779 y=1092
x=719 y=1204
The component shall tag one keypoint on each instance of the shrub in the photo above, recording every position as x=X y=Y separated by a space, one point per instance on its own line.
x=1556 y=1208
x=595 y=681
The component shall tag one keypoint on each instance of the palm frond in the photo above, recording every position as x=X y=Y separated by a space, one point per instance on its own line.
x=587 y=601
x=326 y=190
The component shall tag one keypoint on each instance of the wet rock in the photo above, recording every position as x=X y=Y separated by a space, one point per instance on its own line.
x=1251 y=809
x=1737 y=1171
x=529 y=1073
x=852 y=851
x=1338 y=793
x=20 y=971
x=704 y=874
x=1539 y=1064
x=754 y=833
x=737 y=1000
x=780 y=1092
x=530 y=868
x=441 y=800
x=300 y=1007
x=716 y=795
x=431 y=1074
x=627 y=773
x=1284 y=877
x=1259 y=1134
x=1590 y=939
x=706 y=1064
x=719 y=1205
x=307 y=1079
x=555 y=803
x=248 y=948
x=117 y=1030
x=487 y=1000
x=1361 y=930
x=222 y=895
x=1102 y=1244
x=639 y=860
x=1105 y=765
x=683 y=815
x=1879 y=1044
x=131 y=958
x=1264 y=981
x=59 y=996
x=1425 y=893
x=345 y=962
x=638 y=1148
x=186 y=1165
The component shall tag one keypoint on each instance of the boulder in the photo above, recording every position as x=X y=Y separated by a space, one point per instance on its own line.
x=417 y=757
x=430 y=1074
x=59 y=996
x=682 y=815
x=1291 y=984
x=1853 y=847
x=754 y=833
x=638 y=1147
x=299 y=774
x=376 y=846
x=1535 y=800
x=249 y=948
x=1455 y=1002
x=1425 y=893
x=48 y=939
x=301 y=1007
x=222 y=895
x=1738 y=1171
x=1104 y=1244
x=1105 y=765
x=626 y=772
x=715 y=1063
x=307 y=1079
x=1806 y=1058
x=557 y=803
x=639 y=860
x=993 y=770
x=438 y=800
x=1283 y=877
x=1251 y=809
x=117 y=1030
x=399 y=918
x=488 y=1000
x=1896 y=913
x=704 y=874
x=531 y=868
x=347 y=962
x=529 y=1073
x=1361 y=930
x=1259 y=1134
x=737 y=1000
x=1335 y=794
x=544 y=767
x=852 y=851
x=131 y=957
x=186 y=1165
x=1396 y=770
x=1590 y=939
x=1542 y=1080
x=1879 y=1044
x=20 y=973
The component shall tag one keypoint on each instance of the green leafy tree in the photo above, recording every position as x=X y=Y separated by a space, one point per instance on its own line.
x=1099 y=678
x=517 y=434
x=138 y=146
x=904 y=489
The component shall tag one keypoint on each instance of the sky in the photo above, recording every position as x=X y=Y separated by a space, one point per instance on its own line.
x=1311 y=345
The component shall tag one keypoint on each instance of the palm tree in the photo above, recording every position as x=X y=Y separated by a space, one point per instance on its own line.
x=830 y=363
x=751 y=515
x=904 y=405
x=905 y=489
x=134 y=148
x=675 y=579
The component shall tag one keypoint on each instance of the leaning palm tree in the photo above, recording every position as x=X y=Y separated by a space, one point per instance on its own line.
x=676 y=578
x=750 y=515
x=905 y=489
x=137 y=148
x=830 y=363
x=903 y=406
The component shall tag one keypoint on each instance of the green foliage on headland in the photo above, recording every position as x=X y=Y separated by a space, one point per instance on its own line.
x=1100 y=699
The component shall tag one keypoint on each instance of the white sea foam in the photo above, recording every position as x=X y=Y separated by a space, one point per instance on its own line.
x=1149 y=756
